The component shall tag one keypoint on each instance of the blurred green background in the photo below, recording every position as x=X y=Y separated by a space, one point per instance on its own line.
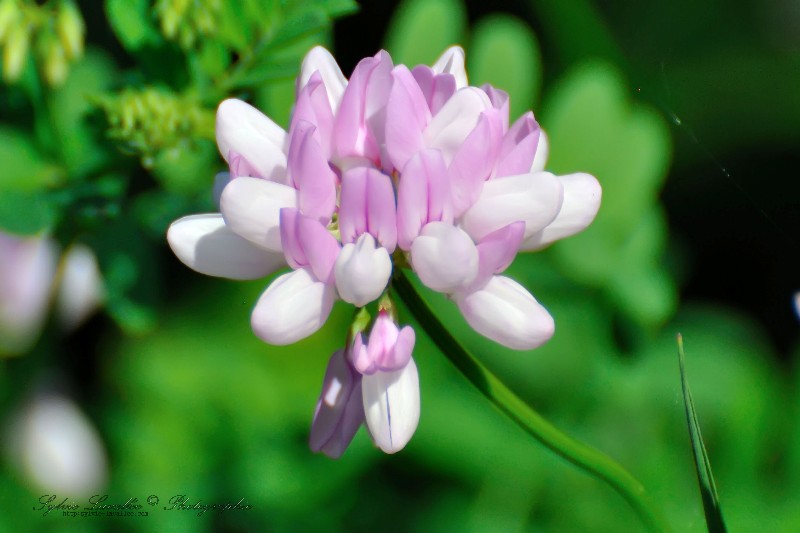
x=686 y=112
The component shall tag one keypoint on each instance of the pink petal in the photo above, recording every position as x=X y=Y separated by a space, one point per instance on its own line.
x=496 y=251
x=312 y=106
x=452 y=62
x=455 y=120
x=319 y=246
x=519 y=147
x=423 y=195
x=318 y=59
x=474 y=161
x=359 y=123
x=367 y=206
x=407 y=115
x=444 y=257
x=499 y=100
x=311 y=174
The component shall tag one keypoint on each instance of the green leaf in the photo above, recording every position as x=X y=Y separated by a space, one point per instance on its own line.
x=24 y=167
x=705 y=478
x=133 y=23
x=26 y=213
x=504 y=52
x=422 y=29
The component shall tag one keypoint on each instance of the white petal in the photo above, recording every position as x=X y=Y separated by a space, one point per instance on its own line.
x=542 y=151
x=319 y=59
x=444 y=257
x=252 y=209
x=27 y=269
x=455 y=120
x=293 y=307
x=362 y=271
x=247 y=131
x=391 y=406
x=534 y=199
x=452 y=62
x=507 y=313
x=53 y=444
x=81 y=289
x=205 y=244
x=582 y=194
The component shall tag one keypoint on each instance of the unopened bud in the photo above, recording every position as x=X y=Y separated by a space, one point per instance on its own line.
x=71 y=29
x=16 y=52
x=55 y=67
x=9 y=13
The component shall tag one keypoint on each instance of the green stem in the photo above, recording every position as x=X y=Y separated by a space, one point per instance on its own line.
x=577 y=453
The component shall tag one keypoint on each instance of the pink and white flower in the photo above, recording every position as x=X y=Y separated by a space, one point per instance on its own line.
x=393 y=164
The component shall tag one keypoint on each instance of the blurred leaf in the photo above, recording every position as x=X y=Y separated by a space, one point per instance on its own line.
x=187 y=168
x=593 y=128
x=705 y=478
x=504 y=52
x=133 y=23
x=156 y=209
x=24 y=168
x=421 y=30
x=26 y=213
x=80 y=149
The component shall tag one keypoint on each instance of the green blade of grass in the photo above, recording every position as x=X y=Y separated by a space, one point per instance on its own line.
x=705 y=479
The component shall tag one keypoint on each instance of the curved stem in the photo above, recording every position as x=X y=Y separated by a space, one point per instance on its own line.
x=577 y=453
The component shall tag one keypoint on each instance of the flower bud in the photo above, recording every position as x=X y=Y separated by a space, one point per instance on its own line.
x=71 y=29
x=340 y=409
x=16 y=52
x=9 y=13
x=55 y=66
x=391 y=406
x=81 y=288
x=362 y=271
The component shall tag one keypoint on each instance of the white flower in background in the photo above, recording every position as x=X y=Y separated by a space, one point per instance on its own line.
x=80 y=290
x=27 y=268
x=394 y=163
x=56 y=448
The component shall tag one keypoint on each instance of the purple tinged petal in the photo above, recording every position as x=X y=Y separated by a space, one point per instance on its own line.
x=311 y=174
x=496 y=251
x=319 y=246
x=474 y=161
x=367 y=205
x=437 y=88
x=505 y=312
x=312 y=106
x=389 y=348
x=444 y=257
x=407 y=116
x=205 y=244
x=499 y=100
x=293 y=307
x=290 y=239
x=239 y=166
x=251 y=207
x=534 y=199
x=360 y=356
x=318 y=59
x=423 y=195
x=455 y=120
x=519 y=147
x=582 y=195
x=360 y=121
x=452 y=62
x=243 y=129
x=340 y=408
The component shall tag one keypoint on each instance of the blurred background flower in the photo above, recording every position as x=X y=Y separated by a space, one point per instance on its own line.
x=686 y=113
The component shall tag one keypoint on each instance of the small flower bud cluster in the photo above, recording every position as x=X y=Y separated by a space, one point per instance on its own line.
x=188 y=21
x=146 y=121
x=53 y=32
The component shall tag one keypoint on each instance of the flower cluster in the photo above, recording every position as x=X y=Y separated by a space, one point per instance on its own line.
x=393 y=167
